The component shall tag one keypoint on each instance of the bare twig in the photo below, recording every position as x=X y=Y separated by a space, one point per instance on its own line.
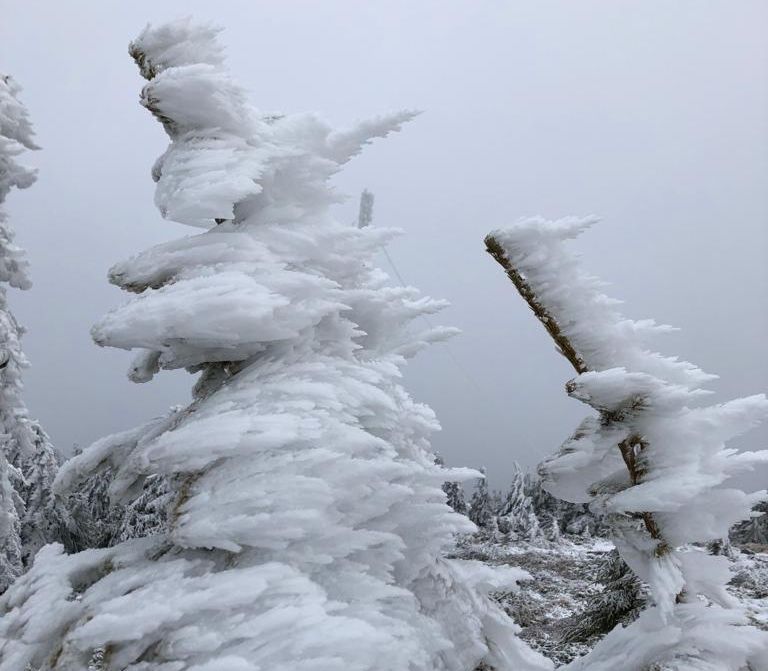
x=564 y=345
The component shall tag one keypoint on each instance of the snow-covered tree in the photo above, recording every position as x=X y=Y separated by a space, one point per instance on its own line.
x=652 y=459
x=482 y=510
x=305 y=523
x=454 y=494
x=31 y=514
x=570 y=518
x=516 y=514
x=753 y=530
x=85 y=482
x=454 y=491
x=46 y=518
x=10 y=539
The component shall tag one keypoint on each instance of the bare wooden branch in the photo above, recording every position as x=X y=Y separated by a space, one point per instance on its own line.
x=564 y=346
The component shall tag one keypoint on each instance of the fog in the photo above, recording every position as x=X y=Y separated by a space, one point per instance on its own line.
x=652 y=115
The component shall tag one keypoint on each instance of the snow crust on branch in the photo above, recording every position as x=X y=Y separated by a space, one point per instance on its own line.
x=306 y=523
x=653 y=459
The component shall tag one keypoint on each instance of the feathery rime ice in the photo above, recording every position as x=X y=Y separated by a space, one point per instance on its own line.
x=306 y=521
x=653 y=460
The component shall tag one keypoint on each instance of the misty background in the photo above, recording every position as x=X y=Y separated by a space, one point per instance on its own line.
x=650 y=114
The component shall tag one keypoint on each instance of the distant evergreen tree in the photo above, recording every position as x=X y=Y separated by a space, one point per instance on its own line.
x=30 y=515
x=95 y=518
x=496 y=499
x=516 y=514
x=147 y=515
x=46 y=518
x=454 y=493
x=570 y=518
x=88 y=480
x=754 y=530
x=10 y=541
x=481 y=510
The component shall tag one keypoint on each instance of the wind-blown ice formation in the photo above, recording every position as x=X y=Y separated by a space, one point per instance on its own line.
x=308 y=521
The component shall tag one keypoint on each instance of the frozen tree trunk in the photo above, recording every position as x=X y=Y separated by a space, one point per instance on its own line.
x=653 y=461
x=31 y=514
x=305 y=522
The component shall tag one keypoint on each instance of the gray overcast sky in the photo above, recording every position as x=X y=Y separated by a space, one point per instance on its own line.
x=652 y=114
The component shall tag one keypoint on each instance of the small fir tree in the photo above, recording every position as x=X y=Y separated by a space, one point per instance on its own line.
x=481 y=509
x=516 y=514
x=454 y=493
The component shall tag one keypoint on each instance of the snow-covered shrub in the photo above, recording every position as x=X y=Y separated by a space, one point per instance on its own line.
x=305 y=521
x=652 y=459
x=516 y=515
x=619 y=602
x=30 y=514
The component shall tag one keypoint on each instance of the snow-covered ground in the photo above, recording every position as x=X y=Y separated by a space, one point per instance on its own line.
x=750 y=581
x=564 y=582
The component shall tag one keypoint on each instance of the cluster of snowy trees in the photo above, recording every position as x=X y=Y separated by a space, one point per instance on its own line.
x=293 y=515
x=526 y=512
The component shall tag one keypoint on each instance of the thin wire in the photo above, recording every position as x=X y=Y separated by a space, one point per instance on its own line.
x=364 y=219
x=451 y=355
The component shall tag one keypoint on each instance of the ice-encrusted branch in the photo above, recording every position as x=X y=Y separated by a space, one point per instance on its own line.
x=653 y=460
x=564 y=345
x=629 y=446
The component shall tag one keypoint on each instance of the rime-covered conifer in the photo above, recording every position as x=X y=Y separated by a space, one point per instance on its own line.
x=454 y=494
x=516 y=514
x=753 y=530
x=481 y=509
x=652 y=459
x=454 y=491
x=569 y=518
x=87 y=483
x=32 y=515
x=306 y=522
